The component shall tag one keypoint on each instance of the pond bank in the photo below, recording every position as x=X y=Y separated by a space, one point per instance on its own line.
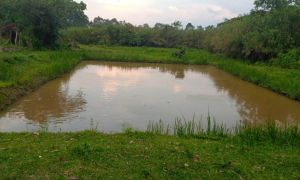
x=140 y=155
x=23 y=72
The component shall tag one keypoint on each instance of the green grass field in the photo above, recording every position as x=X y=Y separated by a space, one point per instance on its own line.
x=141 y=155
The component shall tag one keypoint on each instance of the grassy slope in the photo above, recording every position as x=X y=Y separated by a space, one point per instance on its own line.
x=91 y=155
x=23 y=72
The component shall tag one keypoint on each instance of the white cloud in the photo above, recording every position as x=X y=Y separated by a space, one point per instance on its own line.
x=203 y=12
x=173 y=8
x=198 y=12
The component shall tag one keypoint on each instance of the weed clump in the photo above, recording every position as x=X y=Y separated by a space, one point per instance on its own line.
x=180 y=52
x=270 y=133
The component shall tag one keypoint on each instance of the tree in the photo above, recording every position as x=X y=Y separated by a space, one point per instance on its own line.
x=146 y=25
x=69 y=12
x=74 y=14
x=200 y=28
x=137 y=39
x=189 y=26
x=98 y=20
x=209 y=27
x=159 y=25
x=269 y=5
x=40 y=20
x=114 y=22
x=177 y=25
x=6 y=18
x=2 y=15
x=40 y=25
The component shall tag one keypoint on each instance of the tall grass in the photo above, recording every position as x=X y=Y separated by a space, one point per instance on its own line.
x=189 y=128
x=158 y=128
x=287 y=135
x=23 y=67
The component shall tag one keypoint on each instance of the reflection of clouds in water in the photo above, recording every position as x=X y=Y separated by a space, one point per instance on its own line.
x=11 y=124
x=177 y=88
x=109 y=91
x=107 y=73
x=178 y=71
x=14 y=115
x=120 y=73
x=254 y=104
x=51 y=102
x=229 y=98
x=116 y=79
x=110 y=87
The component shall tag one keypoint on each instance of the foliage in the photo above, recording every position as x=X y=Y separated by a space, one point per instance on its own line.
x=39 y=27
x=209 y=27
x=290 y=60
x=189 y=26
x=180 y=52
x=177 y=25
x=258 y=36
x=271 y=28
x=268 y=30
x=72 y=13
x=277 y=4
x=104 y=32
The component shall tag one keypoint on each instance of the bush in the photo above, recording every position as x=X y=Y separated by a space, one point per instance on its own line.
x=290 y=60
x=180 y=52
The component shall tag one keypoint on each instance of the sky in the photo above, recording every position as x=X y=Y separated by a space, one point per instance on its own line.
x=197 y=12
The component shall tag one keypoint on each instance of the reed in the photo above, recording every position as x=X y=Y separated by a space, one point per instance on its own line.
x=287 y=135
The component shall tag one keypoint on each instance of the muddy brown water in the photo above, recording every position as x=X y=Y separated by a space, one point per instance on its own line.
x=112 y=93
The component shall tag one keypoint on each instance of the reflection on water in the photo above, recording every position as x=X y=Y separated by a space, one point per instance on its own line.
x=52 y=103
x=255 y=104
x=113 y=93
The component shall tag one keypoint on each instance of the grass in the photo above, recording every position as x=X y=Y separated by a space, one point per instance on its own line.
x=17 y=68
x=246 y=134
x=23 y=72
x=153 y=154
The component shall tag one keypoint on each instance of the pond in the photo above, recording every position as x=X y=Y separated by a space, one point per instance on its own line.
x=112 y=93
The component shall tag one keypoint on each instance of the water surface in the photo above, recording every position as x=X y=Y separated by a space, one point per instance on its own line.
x=112 y=93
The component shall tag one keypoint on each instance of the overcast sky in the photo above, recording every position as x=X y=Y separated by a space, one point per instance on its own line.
x=138 y=12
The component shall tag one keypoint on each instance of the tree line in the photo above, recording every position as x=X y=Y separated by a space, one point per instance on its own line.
x=271 y=31
x=36 y=23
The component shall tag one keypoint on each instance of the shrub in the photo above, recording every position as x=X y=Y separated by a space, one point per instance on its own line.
x=180 y=52
x=290 y=60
